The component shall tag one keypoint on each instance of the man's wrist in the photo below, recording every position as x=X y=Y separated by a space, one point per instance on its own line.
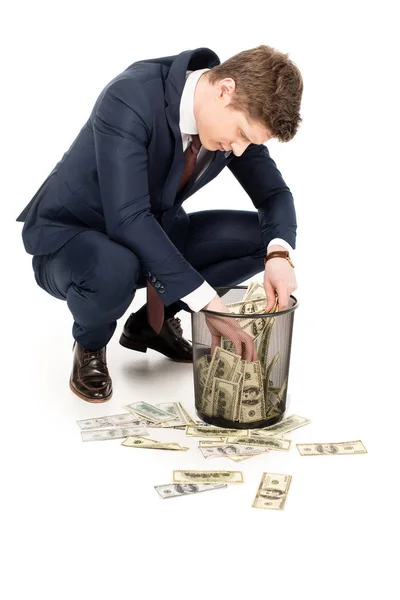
x=274 y=247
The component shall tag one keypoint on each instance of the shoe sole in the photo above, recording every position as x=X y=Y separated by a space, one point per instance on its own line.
x=87 y=398
x=128 y=343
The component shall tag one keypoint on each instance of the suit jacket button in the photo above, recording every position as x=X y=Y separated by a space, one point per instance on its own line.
x=157 y=284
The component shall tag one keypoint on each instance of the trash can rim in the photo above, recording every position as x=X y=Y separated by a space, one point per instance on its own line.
x=248 y=315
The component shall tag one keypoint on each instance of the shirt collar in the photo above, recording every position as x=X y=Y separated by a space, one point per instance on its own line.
x=187 y=123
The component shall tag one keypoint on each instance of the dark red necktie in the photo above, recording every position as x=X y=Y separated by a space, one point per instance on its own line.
x=155 y=306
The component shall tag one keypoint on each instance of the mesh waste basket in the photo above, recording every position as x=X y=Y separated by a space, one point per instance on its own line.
x=230 y=391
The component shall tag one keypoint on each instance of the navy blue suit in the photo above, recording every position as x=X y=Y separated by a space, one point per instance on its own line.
x=116 y=188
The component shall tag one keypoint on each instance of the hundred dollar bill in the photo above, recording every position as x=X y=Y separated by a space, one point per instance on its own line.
x=255 y=290
x=188 y=417
x=173 y=490
x=151 y=412
x=109 y=421
x=207 y=476
x=146 y=423
x=272 y=491
x=225 y=397
x=213 y=432
x=272 y=443
x=112 y=434
x=202 y=366
x=174 y=409
x=141 y=442
x=287 y=424
x=354 y=447
x=230 y=450
x=223 y=365
x=246 y=307
x=252 y=401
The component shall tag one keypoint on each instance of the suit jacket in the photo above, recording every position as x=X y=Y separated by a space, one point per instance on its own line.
x=121 y=175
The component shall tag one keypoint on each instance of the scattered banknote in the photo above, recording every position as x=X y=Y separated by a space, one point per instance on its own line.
x=272 y=443
x=323 y=449
x=112 y=434
x=141 y=442
x=272 y=491
x=207 y=476
x=214 y=432
x=188 y=416
x=109 y=421
x=174 y=408
x=151 y=412
x=287 y=424
x=231 y=451
x=172 y=490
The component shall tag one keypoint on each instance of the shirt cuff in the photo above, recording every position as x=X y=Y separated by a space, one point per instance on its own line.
x=280 y=242
x=200 y=297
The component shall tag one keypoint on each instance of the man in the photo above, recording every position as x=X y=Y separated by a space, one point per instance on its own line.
x=109 y=218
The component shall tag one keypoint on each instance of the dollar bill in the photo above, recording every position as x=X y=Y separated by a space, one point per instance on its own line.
x=141 y=442
x=188 y=417
x=202 y=365
x=272 y=443
x=272 y=491
x=150 y=412
x=252 y=400
x=173 y=490
x=330 y=449
x=207 y=476
x=231 y=451
x=225 y=396
x=213 y=432
x=112 y=434
x=109 y=421
x=174 y=408
x=223 y=365
x=249 y=306
x=255 y=291
x=287 y=424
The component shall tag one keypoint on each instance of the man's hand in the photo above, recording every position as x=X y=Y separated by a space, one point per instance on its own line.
x=230 y=328
x=279 y=276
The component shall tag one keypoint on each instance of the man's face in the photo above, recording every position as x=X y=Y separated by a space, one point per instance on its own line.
x=219 y=125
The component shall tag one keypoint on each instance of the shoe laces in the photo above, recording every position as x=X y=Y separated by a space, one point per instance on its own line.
x=92 y=354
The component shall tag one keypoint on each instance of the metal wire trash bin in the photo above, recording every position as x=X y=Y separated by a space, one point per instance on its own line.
x=235 y=393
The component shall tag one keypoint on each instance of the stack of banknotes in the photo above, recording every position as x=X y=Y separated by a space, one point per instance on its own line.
x=234 y=389
x=237 y=445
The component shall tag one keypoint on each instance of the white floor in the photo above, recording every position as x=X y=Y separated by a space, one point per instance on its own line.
x=81 y=520
x=84 y=520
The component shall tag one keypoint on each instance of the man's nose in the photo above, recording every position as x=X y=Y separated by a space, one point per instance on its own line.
x=239 y=148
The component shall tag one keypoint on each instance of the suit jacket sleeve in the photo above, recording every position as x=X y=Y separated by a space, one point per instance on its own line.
x=257 y=173
x=121 y=136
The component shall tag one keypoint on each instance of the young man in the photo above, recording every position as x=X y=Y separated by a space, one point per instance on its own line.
x=109 y=218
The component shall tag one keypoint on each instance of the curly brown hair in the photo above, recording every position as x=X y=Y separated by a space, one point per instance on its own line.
x=268 y=90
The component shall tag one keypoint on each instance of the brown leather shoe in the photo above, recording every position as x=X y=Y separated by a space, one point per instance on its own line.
x=139 y=335
x=90 y=379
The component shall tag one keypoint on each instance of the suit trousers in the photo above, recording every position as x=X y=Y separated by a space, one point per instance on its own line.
x=98 y=277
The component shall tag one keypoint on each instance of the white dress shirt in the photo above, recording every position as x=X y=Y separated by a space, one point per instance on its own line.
x=202 y=295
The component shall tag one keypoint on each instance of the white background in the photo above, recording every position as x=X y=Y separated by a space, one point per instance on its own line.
x=83 y=520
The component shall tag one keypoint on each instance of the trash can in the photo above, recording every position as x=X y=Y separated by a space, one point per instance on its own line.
x=230 y=391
